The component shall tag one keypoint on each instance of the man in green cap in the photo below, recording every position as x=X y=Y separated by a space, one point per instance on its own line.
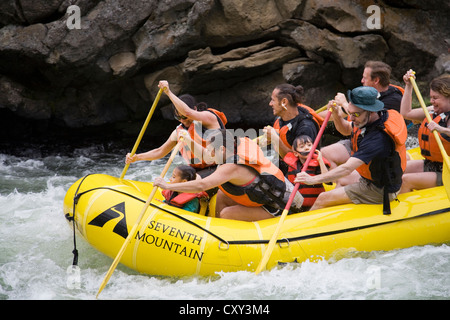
x=378 y=153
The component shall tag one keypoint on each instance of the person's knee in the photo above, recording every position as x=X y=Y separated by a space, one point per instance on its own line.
x=406 y=184
x=222 y=202
x=336 y=154
x=227 y=213
x=331 y=198
x=327 y=151
x=320 y=201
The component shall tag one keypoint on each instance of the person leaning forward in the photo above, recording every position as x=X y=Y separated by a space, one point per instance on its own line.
x=251 y=187
x=376 y=74
x=378 y=153
x=193 y=120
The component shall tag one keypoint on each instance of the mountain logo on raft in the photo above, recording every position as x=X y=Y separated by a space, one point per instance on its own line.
x=113 y=213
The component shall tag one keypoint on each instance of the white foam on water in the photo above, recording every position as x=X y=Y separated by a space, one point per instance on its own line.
x=36 y=244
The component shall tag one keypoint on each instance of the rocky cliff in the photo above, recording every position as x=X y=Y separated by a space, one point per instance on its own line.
x=102 y=70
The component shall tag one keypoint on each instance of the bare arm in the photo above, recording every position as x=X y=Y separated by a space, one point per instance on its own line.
x=323 y=167
x=434 y=126
x=196 y=148
x=157 y=153
x=332 y=175
x=224 y=173
x=406 y=106
x=276 y=142
x=208 y=119
x=341 y=124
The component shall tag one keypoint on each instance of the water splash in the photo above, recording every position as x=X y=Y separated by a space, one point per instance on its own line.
x=36 y=245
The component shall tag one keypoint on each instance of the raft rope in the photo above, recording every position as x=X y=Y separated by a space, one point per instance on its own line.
x=253 y=242
x=75 y=202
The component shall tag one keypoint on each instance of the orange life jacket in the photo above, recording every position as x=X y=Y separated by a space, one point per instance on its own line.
x=304 y=112
x=196 y=132
x=389 y=174
x=428 y=144
x=180 y=199
x=318 y=119
x=399 y=88
x=269 y=187
x=309 y=192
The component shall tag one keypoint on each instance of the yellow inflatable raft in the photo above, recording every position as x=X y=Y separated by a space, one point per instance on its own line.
x=173 y=242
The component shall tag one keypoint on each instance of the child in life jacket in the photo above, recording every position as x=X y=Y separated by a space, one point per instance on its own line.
x=186 y=201
x=295 y=160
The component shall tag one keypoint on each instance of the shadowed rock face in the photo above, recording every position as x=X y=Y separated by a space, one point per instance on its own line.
x=229 y=53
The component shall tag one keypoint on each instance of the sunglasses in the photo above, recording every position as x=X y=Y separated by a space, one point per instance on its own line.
x=179 y=117
x=355 y=114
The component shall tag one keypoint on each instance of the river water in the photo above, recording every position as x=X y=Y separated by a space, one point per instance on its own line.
x=36 y=244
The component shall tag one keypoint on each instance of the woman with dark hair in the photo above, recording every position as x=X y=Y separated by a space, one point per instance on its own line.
x=184 y=200
x=251 y=187
x=195 y=118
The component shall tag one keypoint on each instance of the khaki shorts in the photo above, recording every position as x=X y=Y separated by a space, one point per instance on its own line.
x=366 y=192
x=347 y=145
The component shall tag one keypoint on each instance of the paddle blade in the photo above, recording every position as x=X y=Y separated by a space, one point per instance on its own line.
x=273 y=239
x=138 y=220
x=114 y=265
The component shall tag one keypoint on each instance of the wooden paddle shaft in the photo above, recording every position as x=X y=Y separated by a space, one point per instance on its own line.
x=427 y=115
x=273 y=240
x=144 y=128
x=138 y=221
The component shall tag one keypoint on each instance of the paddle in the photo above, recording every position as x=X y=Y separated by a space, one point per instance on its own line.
x=141 y=134
x=273 y=240
x=322 y=108
x=446 y=160
x=138 y=221
x=317 y=111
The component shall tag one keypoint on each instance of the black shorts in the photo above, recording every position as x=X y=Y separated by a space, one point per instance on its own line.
x=437 y=167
